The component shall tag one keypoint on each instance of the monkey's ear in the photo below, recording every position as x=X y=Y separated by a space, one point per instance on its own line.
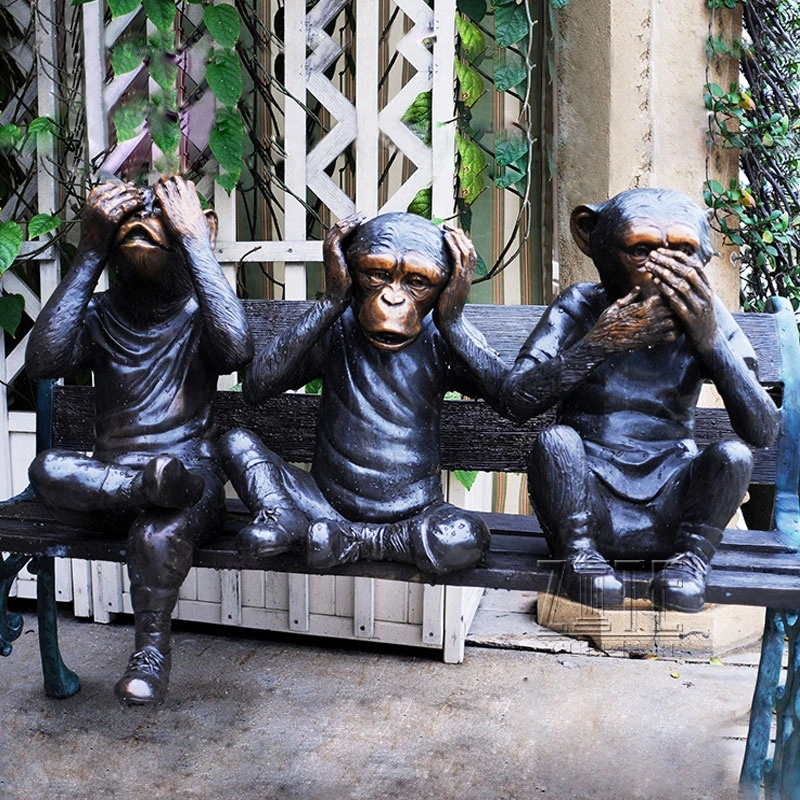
x=212 y=220
x=582 y=222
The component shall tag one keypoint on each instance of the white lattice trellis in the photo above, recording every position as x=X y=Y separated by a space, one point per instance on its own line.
x=363 y=119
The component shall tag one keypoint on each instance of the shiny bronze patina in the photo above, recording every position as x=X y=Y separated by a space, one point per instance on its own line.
x=388 y=339
x=156 y=341
x=620 y=475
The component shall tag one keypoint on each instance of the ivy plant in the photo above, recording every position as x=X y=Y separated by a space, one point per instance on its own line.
x=12 y=233
x=759 y=117
x=160 y=113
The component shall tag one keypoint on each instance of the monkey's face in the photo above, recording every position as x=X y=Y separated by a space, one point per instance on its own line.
x=393 y=292
x=637 y=239
x=142 y=250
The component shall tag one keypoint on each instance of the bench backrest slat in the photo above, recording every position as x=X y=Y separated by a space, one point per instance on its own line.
x=473 y=435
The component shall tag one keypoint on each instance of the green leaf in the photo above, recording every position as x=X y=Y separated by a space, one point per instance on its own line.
x=716 y=661
x=11 y=308
x=466 y=477
x=715 y=186
x=767 y=237
x=223 y=24
x=42 y=126
x=418 y=116
x=474 y=9
x=510 y=24
x=128 y=119
x=165 y=129
x=160 y=12
x=314 y=387
x=471 y=165
x=228 y=180
x=10 y=137
x=227 y=141
x=509 y=71
x=126 y=57
x=422 y=204
x=42 y=223
x=509 y=147
x=161 y=64
x=224 y=76
x=481 y=270
x=508 y=177
x=10 y=243
x=121 y=7
x=558 y=3
x=470 y=83
x=473 y=43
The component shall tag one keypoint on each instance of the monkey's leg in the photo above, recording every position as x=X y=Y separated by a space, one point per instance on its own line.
x=278 y=524
x=558 y=486
x=716 y=482
x=160 y=550
x=71 y=483
x=440 y=539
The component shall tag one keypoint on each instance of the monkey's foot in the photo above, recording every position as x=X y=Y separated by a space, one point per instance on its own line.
x=272 y=531
x=146 y=679
x=330 y=542
x=168 y=484
x=588 y=578
x=681 y=584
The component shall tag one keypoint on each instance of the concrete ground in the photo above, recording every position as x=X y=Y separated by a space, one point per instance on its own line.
x=251 y=715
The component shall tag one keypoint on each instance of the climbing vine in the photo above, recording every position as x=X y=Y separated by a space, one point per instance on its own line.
x=759 y=116
x=494 y=55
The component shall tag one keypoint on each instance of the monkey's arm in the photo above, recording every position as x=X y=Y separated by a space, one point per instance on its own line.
x=532 y=386
x=294 y=357
x=226 y=334
x=481 y=368
x=576 y=334
x=731 y=364
x=53 y=349
x=726 y=355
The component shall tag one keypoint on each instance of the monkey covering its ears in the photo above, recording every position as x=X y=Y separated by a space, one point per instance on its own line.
x=388 y=339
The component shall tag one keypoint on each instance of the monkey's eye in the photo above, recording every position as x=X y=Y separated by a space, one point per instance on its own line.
x=641 y=252
x=418 y=282
x=686 y=248
x=377 y=276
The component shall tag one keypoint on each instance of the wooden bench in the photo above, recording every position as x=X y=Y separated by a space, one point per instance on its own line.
x=752 y=567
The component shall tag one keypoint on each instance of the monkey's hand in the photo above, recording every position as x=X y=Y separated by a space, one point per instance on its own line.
x=632 y=324
x=338 y=283
x=684 y=285
x=181 y=213
x=454 y=296
x=107 y=207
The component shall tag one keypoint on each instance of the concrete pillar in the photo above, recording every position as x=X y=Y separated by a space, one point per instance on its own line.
x=630 y=78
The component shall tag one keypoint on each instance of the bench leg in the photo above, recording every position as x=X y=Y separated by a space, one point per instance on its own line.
x=59 y=681
x=10 y=624
x=781 y=774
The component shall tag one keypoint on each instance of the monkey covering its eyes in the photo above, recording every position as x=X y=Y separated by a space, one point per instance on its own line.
x=620 y=475
x=157 y=342
x=374 y=490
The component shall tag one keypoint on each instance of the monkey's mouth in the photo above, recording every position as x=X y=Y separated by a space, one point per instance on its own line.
x=142 y=233
x=390 y=341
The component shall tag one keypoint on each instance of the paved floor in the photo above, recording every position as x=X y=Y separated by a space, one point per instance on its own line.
x=254 y=716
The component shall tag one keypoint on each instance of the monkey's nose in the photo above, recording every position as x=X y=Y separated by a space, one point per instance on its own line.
x=393 y=298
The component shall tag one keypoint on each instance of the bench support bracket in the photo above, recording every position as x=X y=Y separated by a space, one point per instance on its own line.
x=59 y=681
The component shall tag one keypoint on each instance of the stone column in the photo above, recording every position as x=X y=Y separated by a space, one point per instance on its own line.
x=630 y=78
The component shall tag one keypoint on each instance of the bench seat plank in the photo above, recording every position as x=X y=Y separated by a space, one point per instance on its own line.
x=517 y=559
